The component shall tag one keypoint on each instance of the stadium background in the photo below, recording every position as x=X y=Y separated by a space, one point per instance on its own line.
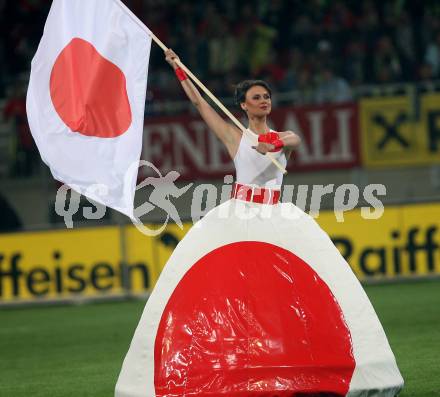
x=360 y=81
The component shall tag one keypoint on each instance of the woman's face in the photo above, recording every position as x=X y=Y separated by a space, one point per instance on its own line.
x=257 y=101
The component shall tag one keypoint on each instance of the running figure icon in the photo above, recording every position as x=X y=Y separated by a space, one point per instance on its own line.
x=164 y=188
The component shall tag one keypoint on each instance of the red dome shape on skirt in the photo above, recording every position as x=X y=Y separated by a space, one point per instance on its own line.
x=252 y=319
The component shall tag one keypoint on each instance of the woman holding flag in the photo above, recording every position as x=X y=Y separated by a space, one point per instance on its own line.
x=256 y=300
x=254 y=98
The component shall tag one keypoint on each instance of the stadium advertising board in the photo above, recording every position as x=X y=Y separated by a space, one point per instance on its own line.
x=58 y=264
x=82 y=262
x=399 y=131
x=405 y=241
x=184 y=144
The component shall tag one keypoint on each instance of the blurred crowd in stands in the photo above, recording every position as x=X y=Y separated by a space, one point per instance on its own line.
x=323 y=49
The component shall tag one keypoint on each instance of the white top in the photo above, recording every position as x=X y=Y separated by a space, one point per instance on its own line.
x=253 y=168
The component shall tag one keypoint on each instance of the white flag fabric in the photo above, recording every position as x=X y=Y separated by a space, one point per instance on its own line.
x=86 y=98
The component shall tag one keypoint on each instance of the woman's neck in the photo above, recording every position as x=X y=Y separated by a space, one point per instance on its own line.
x=258 y=125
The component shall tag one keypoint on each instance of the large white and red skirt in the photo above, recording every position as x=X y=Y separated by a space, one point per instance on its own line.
x=257 y=301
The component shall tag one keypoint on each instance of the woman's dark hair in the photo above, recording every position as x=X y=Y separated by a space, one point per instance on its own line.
x=243 y=87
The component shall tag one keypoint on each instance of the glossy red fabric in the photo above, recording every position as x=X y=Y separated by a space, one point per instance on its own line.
x=273 y=138
x=252 y=319
x=89 y=92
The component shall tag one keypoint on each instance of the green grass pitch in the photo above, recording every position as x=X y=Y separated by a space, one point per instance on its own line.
x=77 y=351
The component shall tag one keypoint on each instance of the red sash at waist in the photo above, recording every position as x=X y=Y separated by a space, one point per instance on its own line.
x=255 y=194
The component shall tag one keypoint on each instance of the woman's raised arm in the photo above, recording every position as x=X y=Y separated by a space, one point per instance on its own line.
x=227 y=133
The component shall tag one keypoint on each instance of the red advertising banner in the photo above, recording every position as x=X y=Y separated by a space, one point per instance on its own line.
x=184 y=144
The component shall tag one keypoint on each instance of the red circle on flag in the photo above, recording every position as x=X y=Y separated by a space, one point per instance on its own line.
x=252 y=319
x=89 y=92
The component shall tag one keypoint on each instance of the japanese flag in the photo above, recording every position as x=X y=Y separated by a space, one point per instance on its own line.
x=86 y=98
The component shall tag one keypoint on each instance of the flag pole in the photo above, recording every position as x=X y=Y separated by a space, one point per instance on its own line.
x=216 y=101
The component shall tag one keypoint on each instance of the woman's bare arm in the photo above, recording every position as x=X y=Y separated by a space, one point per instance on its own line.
x=227 y=133
x=289 y=138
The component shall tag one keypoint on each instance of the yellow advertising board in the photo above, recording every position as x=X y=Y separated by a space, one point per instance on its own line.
x=400 y=131
x=110 y=261
x=60 y=263
x=405 y=241
x=87 y=262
